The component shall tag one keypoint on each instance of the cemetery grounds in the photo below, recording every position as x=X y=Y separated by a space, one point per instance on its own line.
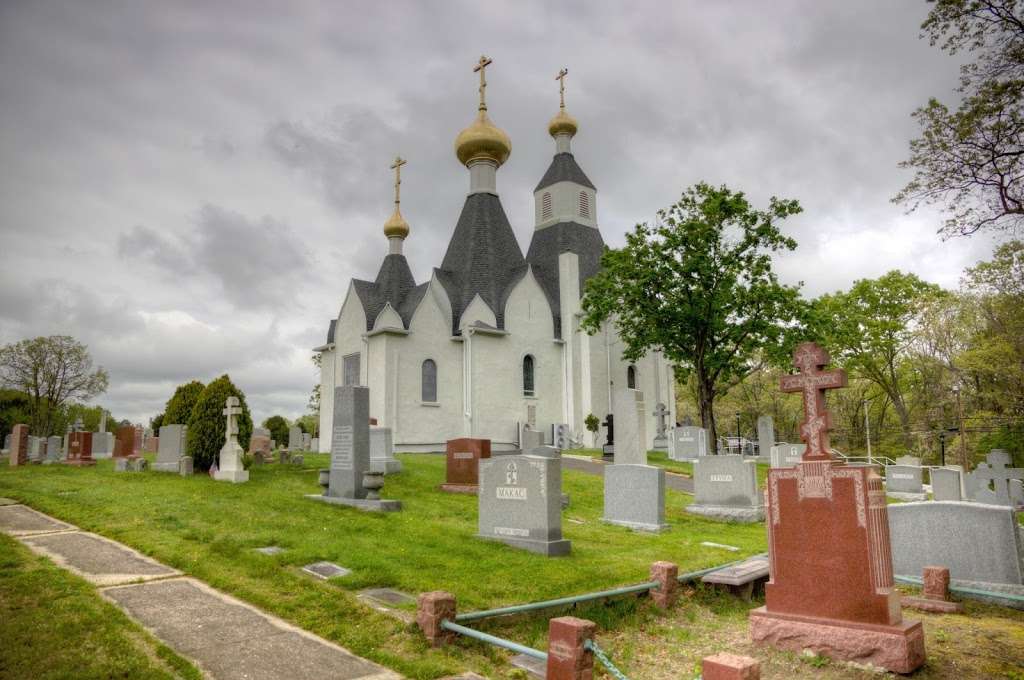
x=55 y=625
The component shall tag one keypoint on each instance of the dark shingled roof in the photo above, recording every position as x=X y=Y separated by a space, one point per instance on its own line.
x=483 y=258
x=550 y=242
x=330 y=331
x=564 y=168
x=394 y=285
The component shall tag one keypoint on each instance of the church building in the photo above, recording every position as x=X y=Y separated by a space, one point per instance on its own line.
x=491 y=343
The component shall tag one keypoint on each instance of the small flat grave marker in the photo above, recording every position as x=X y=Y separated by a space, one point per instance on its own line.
x=326 y=570
x=389 y=596
x=270 y=550
x=730 y=548
x=741 y=579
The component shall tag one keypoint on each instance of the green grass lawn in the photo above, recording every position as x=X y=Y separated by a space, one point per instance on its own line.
x=55 y=625
x=210 y=529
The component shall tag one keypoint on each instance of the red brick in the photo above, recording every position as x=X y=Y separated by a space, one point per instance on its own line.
x=665 y=573
x=725 y=666
x=568 y=658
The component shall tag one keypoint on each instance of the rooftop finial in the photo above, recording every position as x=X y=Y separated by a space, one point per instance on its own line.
x=561 y=87
x=562 y=123
x=396 y=227
x=397 y=167
x=482 y=140
x=481 y=65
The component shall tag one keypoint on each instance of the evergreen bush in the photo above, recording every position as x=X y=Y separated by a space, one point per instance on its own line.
x=207 y=424
x=180 y=405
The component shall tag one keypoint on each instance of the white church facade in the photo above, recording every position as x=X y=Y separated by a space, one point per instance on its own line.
x=491 y=342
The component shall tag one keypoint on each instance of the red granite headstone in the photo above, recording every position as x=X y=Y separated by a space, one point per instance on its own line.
x=80 y=449
x=463 y=466
x=831 y=587
x=935 y=592
x=19 y=445
x=125 y=437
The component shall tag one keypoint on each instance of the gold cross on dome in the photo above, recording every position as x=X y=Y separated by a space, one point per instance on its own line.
x=561 y=86
x=481 y=65
x=397 y=167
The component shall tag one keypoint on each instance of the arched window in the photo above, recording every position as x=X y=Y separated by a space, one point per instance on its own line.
x=584 y=204
x=428 y=388
x=631 y=377
x=528 y=376
x=545 y=206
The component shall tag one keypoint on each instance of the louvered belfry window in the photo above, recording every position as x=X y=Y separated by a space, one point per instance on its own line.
x=545 y=206
x=584 y=204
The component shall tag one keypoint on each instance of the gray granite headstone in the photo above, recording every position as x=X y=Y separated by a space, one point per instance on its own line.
x=946 y=483
x=103 y=444
x=295 y=437
x=725 y=487
x=36 y=449
x=634 y=496
x=53 y=448
x=630 y=427
x=689 y=442
x=7 y=442
x=785 y=455
x=991 y=481
x=909 y=460
x=976 y=542
x=904 y=482
x=314 y=445
x=765 y=436
x=170 y=448
x=185 y=467
x=520 y=503
x=382 y=451
x=531 y=438
x=350 y=442
x=661 y=412
x=307 y=441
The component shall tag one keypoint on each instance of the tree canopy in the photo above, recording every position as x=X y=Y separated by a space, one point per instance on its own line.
x=179 y=407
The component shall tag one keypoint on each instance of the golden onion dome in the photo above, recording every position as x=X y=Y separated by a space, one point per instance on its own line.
x=563 y=124
x=396 y=225
x=483 y=140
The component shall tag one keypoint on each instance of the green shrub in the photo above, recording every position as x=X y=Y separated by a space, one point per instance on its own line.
x=180 y=405
x=278 y=427
x=592 y=423
x=207 y=424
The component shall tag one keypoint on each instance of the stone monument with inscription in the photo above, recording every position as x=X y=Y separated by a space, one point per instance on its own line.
x=689 y=443
x=785 y=455
x=18 y=445
x=170 y=448
x=295 y=438
x=53 y=449
x=725 y=487
x=80 y=449
x=462 y=460
x=994 y=482
x=947 y=483
x=520 y=502
x=382 y=451
x=634 y=492
x=661 y=412
x=831 y=589
x=905 y=482
x=230 y=468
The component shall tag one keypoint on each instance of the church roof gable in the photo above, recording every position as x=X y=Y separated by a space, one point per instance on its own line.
x=393 y=286
x=564 y=168
x=550 y=242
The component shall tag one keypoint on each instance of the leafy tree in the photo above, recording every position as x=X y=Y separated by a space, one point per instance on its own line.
x=278 y=427
x=700 y=288
x=179 y=407
x=208 y=424
x=15 y=407
x=89 y=415
x=870 y=329
x=51 y=371
x=314 y=397
x=156 y=422
x=308 y=424
x=971 y=160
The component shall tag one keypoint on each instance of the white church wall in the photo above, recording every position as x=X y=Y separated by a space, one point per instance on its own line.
x=565 y=205
x=477 y=310
x=327 y=358
x=388 y=318
x=348 y=339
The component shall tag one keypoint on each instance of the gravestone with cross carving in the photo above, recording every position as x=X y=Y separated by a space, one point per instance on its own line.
x=831 y=587
x=661 y=432
x=994 y=483
x=230 y=468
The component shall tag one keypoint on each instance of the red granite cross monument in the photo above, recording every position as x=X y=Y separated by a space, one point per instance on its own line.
x=831 y=587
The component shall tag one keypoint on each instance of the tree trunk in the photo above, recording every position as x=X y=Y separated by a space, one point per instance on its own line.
x=706 y=402
x=904 y=415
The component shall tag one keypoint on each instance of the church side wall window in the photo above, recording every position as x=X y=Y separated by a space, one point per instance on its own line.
x=350 y=372
x=545 y=206
x=631 y=377
x=528 y=376
x=584 y=204
x=428 y=390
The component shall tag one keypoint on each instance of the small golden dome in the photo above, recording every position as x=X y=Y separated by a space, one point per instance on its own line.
x=483 y=140
x=562 y=124
x=396 y=225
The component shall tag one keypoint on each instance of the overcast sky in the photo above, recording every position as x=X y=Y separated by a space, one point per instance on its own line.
x=189 y=187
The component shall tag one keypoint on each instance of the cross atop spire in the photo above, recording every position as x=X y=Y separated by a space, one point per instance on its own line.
x=561 y=87
x=397 y=167
x=812 y=382
x=481 y=65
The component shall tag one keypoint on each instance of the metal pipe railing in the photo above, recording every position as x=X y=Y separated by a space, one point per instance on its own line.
x=913 y=580
x=494 y=640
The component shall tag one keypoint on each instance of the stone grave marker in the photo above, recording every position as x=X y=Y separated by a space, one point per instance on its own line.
x=520 y=503
x=229 y=462
x=689 y=443
x=634 y=492
x=661 y=412
x=185 y=467
x=270 y=550
x=18 y=445
x=726 y=488
x=171 y=448
x=103 y=444
x=765 y=436
x=530 y=438
x=294 y=438
x=80 y=449
x=990 y=482
x=947 y=483
x=7 y=442
x=326 y=570
x=314 y=445
x=785 y=455
x=608 y=448
x=36 y=449
x=977 y=543
x=744 y=580
x=462 y=463
x=259 y=447
x=53 y=449
x=831 y=587
x=382 y=451
x=307 y=441
x=126 y=438
x=904 y=482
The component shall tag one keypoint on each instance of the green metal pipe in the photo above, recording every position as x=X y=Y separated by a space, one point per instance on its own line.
x=491 y=639
x=970 y=591
x=562 y=601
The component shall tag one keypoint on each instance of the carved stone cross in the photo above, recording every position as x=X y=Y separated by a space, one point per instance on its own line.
x=812 y=382
x=660 y=412
x=231 y=411
x=484 y=62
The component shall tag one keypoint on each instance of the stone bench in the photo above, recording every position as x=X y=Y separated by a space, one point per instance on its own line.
x=743 y=580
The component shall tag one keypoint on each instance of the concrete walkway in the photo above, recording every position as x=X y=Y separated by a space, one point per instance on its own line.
x=595 y=466
x=225 y=638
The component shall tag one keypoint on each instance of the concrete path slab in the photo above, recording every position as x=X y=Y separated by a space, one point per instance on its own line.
x=96 y=559
x=231 y=640
x=21 y=520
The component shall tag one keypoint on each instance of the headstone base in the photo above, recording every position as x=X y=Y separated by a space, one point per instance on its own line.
x=79 y=463
x=363 y=504
x=898 y=648
x=185 y=466
x=634 y=497
x=387 y=466
x=233 y=476
x=167 y=467
x=660 y=444
x=557 y=548
x=741 y=515
x=469 y=489
x=908 y=497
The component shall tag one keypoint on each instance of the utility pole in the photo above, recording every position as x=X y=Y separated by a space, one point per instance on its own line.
x=739 y=445
x=867 y=429
x=942 y=448
x=960 y=427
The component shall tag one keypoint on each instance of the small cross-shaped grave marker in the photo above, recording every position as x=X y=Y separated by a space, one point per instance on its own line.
x=812 y=382
x=992 y=479
x=231 y=411
x=661 y=412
